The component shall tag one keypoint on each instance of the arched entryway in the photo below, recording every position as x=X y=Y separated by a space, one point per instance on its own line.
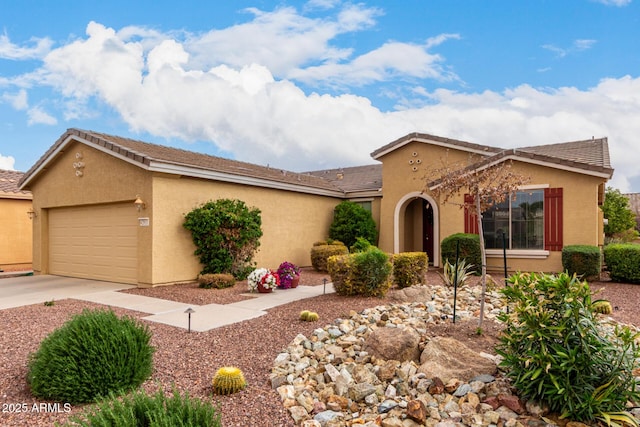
x=416 y=227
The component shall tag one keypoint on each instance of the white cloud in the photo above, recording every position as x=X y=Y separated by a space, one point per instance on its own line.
x=577 y=46
x=8 y=50
x=17 y=100
x=243 y=102
x=37 y=116
x=7 y=162
x=280 y=40
x=618 y=3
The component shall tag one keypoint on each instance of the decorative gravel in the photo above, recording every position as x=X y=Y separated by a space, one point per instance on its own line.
x=188 y=361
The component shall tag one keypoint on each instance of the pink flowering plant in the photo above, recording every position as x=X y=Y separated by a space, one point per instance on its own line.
x=263 y=276
x=287 y=272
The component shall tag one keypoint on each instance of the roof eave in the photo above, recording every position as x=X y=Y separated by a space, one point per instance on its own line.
x=174 y=169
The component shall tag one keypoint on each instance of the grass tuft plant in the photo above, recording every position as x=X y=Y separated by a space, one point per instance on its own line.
x=140 y=409
x=93 y=355
x=228 y=380
x=555 y=351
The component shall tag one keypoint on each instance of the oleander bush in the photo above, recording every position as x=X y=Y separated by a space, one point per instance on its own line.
x=409 y=268
x=218 y=281
x=93 y=355
x=140 y=409
x=364 y=273
x=623 y=262
x=469 y=250
x=556 y=352
x=320 y=253
x=583 y=260
x=226 y=234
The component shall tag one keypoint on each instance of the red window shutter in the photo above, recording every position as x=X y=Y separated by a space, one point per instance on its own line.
x=553 y=219
x=470 y=217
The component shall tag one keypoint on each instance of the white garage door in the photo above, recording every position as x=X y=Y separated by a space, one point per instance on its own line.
x=94 y=242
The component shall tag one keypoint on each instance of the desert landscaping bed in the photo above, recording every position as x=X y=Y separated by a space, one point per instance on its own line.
x=188 y=361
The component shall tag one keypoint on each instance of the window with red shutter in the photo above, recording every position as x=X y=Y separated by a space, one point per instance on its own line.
x=553 y=219
x=470 y=217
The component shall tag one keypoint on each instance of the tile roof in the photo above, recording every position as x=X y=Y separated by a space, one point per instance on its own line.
x=354 y=179
x=589 y=156
x=186 y=162
x=9 y=185
x=435 y=140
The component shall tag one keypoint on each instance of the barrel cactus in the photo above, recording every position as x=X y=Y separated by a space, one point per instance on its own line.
x=228 y=380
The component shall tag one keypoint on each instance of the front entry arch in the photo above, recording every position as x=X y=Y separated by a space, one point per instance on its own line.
x=416 y=226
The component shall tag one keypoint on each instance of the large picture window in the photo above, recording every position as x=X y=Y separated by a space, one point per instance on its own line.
x=518 y=222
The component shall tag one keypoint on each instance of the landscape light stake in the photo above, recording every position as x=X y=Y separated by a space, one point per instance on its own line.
x=189 y=311
x=324 y=286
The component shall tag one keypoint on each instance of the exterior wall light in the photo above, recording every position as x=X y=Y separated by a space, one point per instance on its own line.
x=139 y=204
x=32 y=214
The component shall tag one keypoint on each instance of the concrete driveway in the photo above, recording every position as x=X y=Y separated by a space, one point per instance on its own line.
x=27 y=290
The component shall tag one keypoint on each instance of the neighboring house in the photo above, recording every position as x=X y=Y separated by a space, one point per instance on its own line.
x=634 y=205
x=16 y=237
x=88 y=224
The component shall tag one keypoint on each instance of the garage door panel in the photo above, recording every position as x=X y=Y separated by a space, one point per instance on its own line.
x=96 y=242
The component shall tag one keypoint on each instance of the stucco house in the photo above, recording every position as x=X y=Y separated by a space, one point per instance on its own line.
x=112 y=208
x=15 y=223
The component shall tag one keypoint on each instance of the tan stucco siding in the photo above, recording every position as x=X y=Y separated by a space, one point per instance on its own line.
x=16 y=236
x=582 y=218
x=291 y=222
x=104 y=179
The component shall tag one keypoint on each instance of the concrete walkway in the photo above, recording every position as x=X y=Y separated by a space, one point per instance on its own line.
x=20 y=291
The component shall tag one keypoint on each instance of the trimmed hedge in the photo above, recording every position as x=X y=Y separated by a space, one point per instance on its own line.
x=218 y=281
x=583 y=260
x=409 y=268
x=469 y=250
x=321 y=252
x=363 y=273
x=623 y=262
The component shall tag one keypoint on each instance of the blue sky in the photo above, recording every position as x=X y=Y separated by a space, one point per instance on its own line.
x=306 y=85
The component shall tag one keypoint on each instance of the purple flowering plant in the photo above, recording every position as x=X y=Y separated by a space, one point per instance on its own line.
x=287 y=272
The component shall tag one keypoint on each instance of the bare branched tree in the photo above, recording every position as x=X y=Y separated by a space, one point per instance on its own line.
x=488 y=182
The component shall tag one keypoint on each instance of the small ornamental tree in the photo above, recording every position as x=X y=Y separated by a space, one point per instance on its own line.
x=351 y=221
x=618 y=213
x=226 y=234
x=488 y=185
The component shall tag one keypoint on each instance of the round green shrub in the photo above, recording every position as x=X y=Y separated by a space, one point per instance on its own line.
x=350 y=221
x=321 y=253
x=140 y=409
x=469 y=249
x=364 y=273
x=623 y=262
x=91 y=356
x=583 y=260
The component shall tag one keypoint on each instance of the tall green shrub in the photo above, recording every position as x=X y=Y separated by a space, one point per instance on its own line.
x=91 y=356
x=226 y=234
x=583 y=260
x=469 y=249
x=623 y=262
x=619 y=215
x=555 y=352
x=350 y=221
